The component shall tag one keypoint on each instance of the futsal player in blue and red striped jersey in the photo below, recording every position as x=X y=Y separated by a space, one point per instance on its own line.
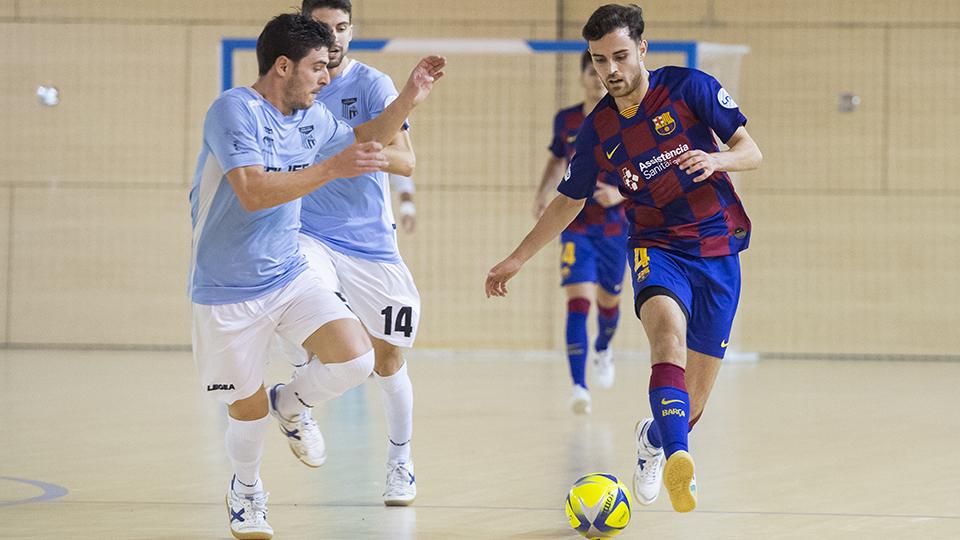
x=592 y=256
x=654 y=133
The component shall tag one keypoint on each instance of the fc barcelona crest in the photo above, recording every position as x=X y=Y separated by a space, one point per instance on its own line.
x=306 y=137
x=664 y=124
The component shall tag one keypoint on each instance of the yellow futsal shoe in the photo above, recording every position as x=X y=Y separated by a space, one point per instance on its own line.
x=678 y=479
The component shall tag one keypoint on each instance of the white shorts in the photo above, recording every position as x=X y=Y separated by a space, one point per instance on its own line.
x=382 y=295
x=231 y=341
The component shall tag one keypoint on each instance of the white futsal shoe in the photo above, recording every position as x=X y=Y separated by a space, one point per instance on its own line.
x=248 y=515
x=302 y=432
x=648 y=476
x=401 y=484
x=603 y=369
x=580 y=400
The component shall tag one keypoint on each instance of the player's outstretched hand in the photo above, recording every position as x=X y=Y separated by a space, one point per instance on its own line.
x=499 y=275
x=421 y=80
x=697 y=160
x=357 y=159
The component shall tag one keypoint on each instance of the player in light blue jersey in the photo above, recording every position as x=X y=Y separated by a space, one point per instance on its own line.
x=349 y=235
x=249 y=280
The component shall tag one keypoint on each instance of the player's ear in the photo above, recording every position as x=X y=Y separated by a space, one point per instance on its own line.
x=642 y=48
x=282 y=65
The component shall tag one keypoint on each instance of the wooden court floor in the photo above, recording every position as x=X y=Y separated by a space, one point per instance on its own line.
x=124 y=445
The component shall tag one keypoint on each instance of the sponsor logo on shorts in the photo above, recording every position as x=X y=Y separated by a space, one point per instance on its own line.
x=665 y=401
x=724 y=344
x=213 y=387
x=674 y=412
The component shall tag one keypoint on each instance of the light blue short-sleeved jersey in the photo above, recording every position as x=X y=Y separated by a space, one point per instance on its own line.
x=353 y=215
x=240 y=255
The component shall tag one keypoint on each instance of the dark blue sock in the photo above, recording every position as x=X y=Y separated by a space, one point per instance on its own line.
x=577 y=311
x=607 y=319
x=671 y=406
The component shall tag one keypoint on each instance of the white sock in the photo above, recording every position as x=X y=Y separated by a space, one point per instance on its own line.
x=398 y=406
x=245 y=448
x=317 y=383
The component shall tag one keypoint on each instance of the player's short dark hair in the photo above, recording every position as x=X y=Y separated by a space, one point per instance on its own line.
x=343 y=5
x=612 y=17
x=292 y=35
x=586 y=59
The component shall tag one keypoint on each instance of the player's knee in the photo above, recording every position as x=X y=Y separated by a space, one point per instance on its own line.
x=252 y=407
x=606 y=300
x=668 y=346
x=343 y=376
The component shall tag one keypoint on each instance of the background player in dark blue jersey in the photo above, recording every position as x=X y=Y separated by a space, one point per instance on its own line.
x=654 y=132
x=592 y=248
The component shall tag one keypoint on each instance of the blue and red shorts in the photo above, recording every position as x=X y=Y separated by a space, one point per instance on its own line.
x=706 y=288
x=593 y=259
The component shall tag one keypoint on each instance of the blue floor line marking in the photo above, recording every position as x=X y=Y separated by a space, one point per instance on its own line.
x=50 y=491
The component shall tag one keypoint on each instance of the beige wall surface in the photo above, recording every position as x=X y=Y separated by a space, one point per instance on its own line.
x=121 y=116
x=854 y=228
x=4 y=259
x=830 y=12
x=100 y=266
x=924 y=109
x=134 y=11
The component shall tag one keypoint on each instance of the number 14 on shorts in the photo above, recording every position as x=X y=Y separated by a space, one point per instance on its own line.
x=402 y=324
x=641 y=263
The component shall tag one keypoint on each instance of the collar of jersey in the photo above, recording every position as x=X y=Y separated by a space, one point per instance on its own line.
x=264 y=103
x=630 y=113
x=351 y=67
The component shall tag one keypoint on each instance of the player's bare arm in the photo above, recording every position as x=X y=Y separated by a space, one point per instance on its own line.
x=554 y=220
x=400 y=156
x=384 y=127
x=743 y=154
x=552 y=174
x=257 y=189
x=608 y=195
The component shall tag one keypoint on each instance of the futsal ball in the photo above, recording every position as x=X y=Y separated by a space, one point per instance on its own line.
x=598 y=506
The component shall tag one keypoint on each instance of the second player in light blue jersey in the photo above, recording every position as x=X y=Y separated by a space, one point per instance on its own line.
x=349 y=235
x=249 y=281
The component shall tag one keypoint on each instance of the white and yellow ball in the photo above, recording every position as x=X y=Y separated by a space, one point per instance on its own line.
x=598 y=506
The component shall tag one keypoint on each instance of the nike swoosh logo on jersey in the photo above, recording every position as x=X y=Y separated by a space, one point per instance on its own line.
x=724 y=344
x=610 y=153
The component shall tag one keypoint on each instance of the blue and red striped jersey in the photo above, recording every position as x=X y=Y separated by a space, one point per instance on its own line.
x=594 y=219
x=637 y=147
